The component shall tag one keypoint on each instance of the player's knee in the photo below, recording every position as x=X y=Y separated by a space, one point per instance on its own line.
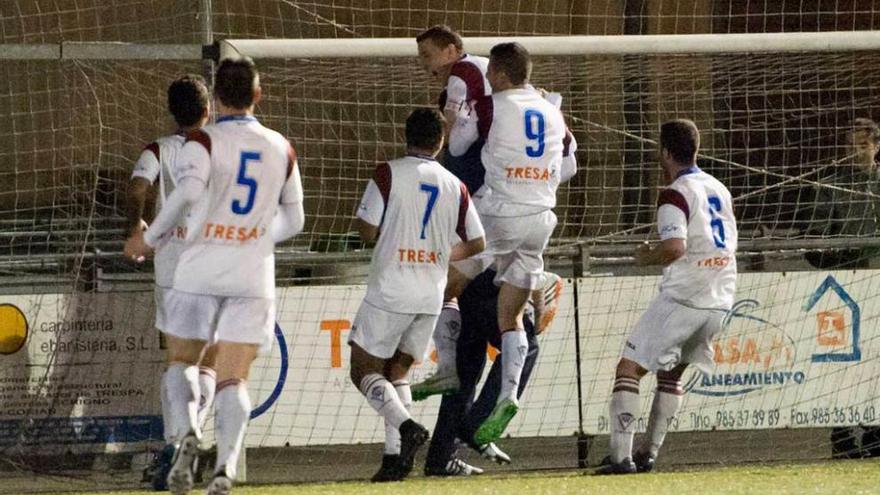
x=630 y=369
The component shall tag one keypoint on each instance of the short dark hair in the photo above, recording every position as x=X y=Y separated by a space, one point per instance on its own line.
x=442 y=36
x=425 y=128
x=867 y=126
x=681 y=139
x=188 y=99
x=235 y=82
x=512 y=59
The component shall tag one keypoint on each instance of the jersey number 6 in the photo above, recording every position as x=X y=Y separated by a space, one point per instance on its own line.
x=248 y=182
x=716 y=223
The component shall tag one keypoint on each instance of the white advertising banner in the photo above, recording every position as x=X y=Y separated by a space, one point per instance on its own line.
x=798 y=350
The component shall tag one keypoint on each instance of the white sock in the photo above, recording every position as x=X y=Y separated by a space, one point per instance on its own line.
x=446 y=338
x=182 y=382
x=624 y=406
x=667 y=400
x=232 y=406
x=167 y=425
x=207 y=388
x=392 y=434
x=514 y=346
x=383 y=398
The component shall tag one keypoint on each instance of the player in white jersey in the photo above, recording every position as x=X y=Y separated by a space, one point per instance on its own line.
x=466 y=92
x=523 y=156
x=423 y=218
x=188 y=103
x=698 y=239
x=242 y=187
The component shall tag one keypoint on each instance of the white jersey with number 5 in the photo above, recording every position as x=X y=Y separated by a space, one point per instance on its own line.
x=698 y=208
x=248 y=170
x=156 y=165
x=522 y=155
x=421 y=210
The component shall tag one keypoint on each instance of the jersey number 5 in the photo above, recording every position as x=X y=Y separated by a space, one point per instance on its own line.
x=432 y=192
x=249 y=182
x=535 y=132
x=716 y=223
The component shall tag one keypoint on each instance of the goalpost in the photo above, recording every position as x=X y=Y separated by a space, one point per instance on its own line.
x=775 y=111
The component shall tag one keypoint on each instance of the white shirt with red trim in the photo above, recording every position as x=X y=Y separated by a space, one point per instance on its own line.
x=156 y=165
x=522 y=155
x=698 y=208
x=248 y=170
x=421 y=210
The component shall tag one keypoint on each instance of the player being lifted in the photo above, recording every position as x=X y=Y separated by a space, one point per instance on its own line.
x=242 y=187
x=423 y=218
x=188 y=103
x=525 y=142
x=466 y=93
x=698 y=240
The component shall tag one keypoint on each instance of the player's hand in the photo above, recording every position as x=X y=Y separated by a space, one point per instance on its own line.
x=644 y=254
x=136 y=249
x=140 y=227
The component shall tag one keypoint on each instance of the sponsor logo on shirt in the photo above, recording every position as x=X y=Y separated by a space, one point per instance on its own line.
x=528 y=173
x=418 y=256
x=232 y=232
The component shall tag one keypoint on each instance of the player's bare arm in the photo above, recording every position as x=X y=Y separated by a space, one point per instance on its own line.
x=367 y=231
x=662 y=253
x=464 y=250
x=136 y=198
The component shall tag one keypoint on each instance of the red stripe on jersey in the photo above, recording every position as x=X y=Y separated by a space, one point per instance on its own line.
x=476 y=92
x=674 y=198
x=154 y=147
x=485 y=112
x=566 y=142
x=200 y=137
x=291 y=160
x=472 y=77
x=382 y=178
x=464 y=202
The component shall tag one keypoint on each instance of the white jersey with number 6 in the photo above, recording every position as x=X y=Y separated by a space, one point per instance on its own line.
x=698 y=208
x=421 y=210
x=156 y=165
x=248 y=170
x=522 y=155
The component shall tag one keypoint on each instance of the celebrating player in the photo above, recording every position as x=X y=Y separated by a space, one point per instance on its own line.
x=526 y=139
x=419 y=212
x=188 y=102
x=698 y=240
x=242 y=185
x=467 y=93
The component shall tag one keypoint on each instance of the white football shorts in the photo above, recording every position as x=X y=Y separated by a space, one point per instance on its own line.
x=669 y=333
x=159 y=296
x=245 y=320
x=381 y=333
x=515 y=245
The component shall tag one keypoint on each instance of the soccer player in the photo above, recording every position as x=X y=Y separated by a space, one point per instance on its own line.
x=698 y=238
x=241 y=185
x=423 y=218
x=466 y=92
x=188 y=103
x=459 y=415
x=526 y=139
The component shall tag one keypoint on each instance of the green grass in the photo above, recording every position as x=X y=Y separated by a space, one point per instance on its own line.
x=845 y=477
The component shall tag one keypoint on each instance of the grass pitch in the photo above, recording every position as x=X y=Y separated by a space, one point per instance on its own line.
x=844 y=477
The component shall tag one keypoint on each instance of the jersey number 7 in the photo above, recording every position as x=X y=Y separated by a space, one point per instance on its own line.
x=249 y=182
x=432 y=192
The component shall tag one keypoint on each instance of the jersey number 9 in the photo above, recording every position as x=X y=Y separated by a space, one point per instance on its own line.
x=535 y=132
x=249 y=182
x=716 y=223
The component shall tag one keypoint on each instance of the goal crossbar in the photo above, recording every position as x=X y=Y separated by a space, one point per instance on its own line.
x=835 y=41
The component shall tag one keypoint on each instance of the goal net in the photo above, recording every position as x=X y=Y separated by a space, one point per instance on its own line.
x=79 y=362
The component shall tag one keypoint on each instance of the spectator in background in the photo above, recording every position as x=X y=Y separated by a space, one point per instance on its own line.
x=851 y=212
x=848 y=209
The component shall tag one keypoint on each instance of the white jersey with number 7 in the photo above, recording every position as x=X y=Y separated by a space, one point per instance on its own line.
x=248 y=170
